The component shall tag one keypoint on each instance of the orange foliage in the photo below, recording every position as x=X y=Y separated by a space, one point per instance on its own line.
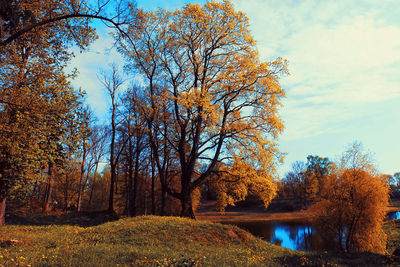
x=221 y=100
x=353 y=205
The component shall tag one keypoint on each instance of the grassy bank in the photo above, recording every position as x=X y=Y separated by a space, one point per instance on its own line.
x=158 y=241
x=138 y=241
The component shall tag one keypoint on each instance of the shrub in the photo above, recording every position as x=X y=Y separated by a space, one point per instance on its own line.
x=352 y=207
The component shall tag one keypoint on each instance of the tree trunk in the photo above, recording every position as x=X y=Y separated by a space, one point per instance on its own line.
x=131 y=198
x=186 y=207
x=136 y=178
x=66 y=193
x=153 y=203
x=163 y=200
x=113 y=168
x=93 y=184
x=2 y=210
x=49 y=189
x=79 y=203
x=112 y=186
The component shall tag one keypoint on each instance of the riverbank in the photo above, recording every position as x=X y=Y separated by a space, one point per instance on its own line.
x=206 y=212
x=394 y=205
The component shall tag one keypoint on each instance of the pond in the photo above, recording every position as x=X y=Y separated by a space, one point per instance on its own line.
x=394 y=215
x=293 y=235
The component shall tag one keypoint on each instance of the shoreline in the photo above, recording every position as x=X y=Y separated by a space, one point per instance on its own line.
x=258 y=214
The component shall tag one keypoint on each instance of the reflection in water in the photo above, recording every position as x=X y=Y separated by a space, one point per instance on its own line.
x=394 y=215
x=290 y=235
x=293 y=235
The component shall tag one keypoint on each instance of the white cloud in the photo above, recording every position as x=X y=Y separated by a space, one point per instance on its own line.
x=97 y=58
x=344 y=60
x=343 y=56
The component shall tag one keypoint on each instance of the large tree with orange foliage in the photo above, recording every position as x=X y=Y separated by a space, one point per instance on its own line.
x=353 y=204
x=222 y=101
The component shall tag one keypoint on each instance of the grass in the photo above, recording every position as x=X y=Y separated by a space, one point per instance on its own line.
x=392 y=230
x=161 y=241
x=150 y=240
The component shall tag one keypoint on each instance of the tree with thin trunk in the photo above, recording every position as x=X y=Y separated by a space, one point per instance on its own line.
x=134 y=129
x=112 y=82
x=98 y=151
x=85 y=119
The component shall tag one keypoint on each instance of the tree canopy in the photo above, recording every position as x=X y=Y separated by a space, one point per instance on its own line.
x=202 y=65
x=352 y=205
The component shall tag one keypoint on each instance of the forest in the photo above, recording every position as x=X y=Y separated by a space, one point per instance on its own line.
x=192 y=131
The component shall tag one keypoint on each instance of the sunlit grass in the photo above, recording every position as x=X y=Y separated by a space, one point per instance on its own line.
x=139 y=241
x=151 y=241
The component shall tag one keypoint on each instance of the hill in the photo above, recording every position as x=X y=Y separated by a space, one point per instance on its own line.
x=155 y=241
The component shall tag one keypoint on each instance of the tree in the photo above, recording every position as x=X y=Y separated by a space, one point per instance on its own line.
x=234 y=183
x=306 y=180
x=36 y=98
x=112 y=83
x=22 y=17
x=353 y=204
x=394 y=182
x=84 y=133
x=294 y=179
x=318 y=169
x=222 y=101
x=98 y=151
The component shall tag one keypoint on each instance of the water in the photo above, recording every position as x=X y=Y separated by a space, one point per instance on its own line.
x=394 y=215
x=293 y=235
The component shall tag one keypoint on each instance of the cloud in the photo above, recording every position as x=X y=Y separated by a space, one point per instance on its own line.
x=90 y=63
x=344 y=57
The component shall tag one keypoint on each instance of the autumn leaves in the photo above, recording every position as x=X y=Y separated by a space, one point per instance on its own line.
x=201 y=66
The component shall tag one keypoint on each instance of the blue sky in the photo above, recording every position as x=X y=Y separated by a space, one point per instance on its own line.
x=344 y=60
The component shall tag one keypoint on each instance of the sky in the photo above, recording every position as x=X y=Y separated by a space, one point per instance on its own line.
x=344 y=82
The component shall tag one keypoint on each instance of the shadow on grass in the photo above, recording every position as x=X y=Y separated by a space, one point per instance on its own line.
x=340 y=258
x=83 y=219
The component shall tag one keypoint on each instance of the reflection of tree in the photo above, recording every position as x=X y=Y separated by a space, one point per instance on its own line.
x=293 y=231
x=277 y=241
x=394 y=215
x=259 y=229
x=266 y=231
x=297 y=236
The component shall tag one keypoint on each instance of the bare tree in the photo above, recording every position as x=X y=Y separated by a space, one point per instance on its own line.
x=112 y=82
x=85 y=133
x=97 y=153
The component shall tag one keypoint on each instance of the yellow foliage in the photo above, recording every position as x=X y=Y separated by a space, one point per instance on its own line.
x=240 y=179
x=221 y=101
